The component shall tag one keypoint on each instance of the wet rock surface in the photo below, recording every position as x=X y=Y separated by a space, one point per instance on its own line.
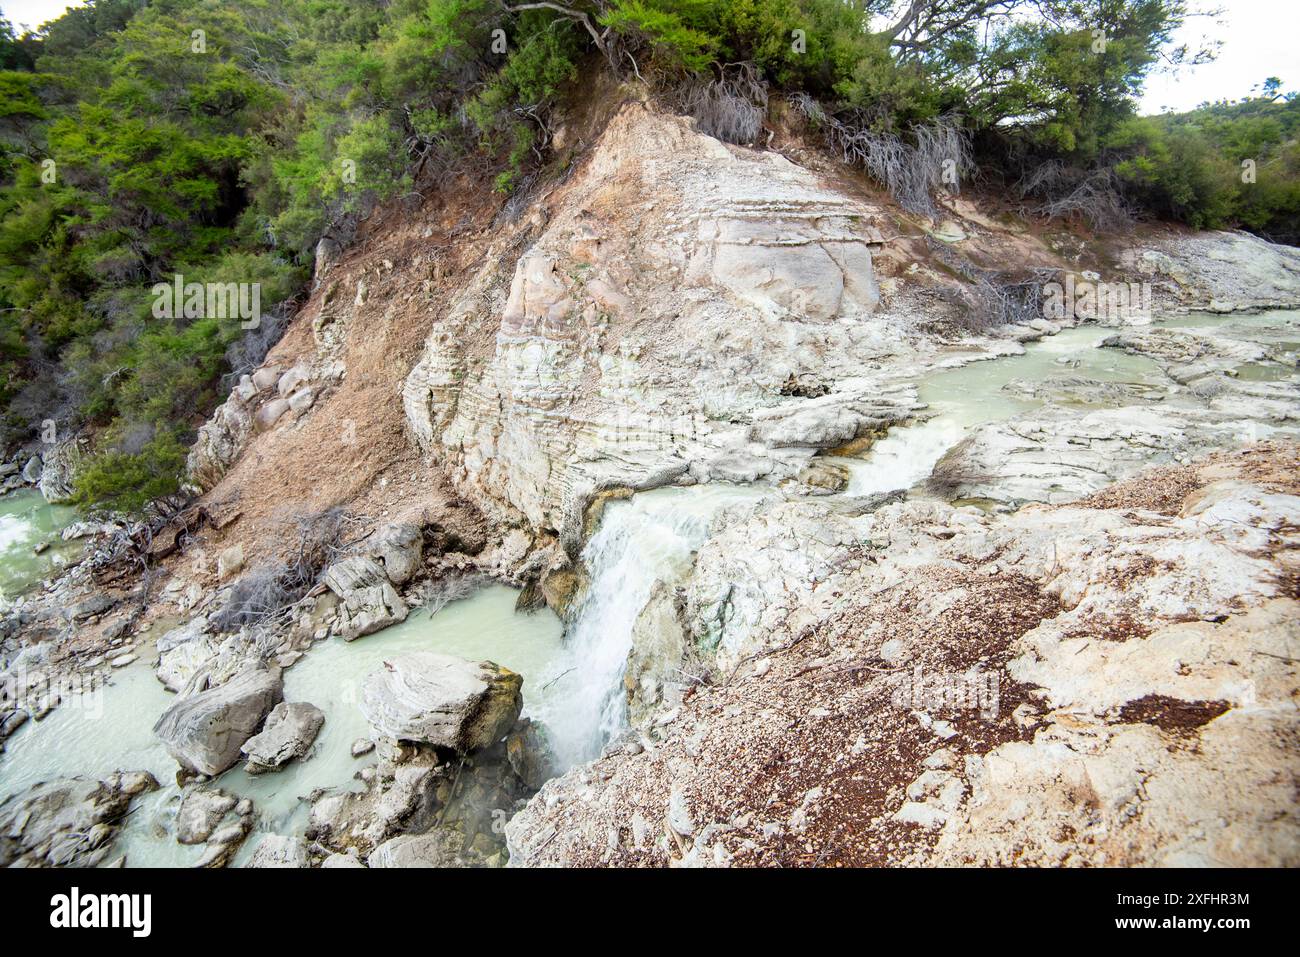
x=205 y=730
x=933 y=684
x=67 y=823
x=289 y=732
x=441 y=700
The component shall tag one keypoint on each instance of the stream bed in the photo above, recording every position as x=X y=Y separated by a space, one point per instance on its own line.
x=572 y=683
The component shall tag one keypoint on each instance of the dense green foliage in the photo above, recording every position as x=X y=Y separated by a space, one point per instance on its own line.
x=221 y=139
x=1220 y=165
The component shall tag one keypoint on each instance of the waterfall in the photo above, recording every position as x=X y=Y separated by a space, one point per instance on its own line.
x=649 y=538
x=904 y=457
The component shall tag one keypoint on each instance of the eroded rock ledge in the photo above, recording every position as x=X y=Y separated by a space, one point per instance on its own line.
x=1105 y=683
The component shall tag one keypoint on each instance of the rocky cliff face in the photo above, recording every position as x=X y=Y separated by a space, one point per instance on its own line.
x=647 y=333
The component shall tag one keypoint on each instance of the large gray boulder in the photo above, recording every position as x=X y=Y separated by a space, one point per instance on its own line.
x=442 y=700
x=205 y=731
x=289 y=732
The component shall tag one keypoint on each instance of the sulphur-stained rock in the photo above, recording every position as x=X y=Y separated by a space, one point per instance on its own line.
x=290 y=729
x=441 y=700
x=68 y=822
x=528 y=750
x=205 y=731
x=277 y=850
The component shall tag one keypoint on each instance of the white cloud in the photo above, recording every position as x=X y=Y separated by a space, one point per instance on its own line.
x=33 y=13
x=1259 y=41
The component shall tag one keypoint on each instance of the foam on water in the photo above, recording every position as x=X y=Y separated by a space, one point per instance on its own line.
x=648 y=538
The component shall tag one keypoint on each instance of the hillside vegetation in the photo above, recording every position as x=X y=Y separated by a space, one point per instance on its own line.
x=221 y=140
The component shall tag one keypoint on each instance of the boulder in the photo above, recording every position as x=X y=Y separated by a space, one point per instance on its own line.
x=442 y=700
x=201 y=812
x=291 y=380
x=270 y=413
x=352 y=573
x=205 y=731
x=230 y=562
x=528 y=751
x=436 y=849
x=399 y=546
x=289 y=732
x=32 y=470
x=265 y=378
x=368 y=610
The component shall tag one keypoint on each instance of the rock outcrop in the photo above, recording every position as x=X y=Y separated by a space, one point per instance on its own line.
x=59 y=469
x=1059 y=454
x=619 y=363
x=69 y=822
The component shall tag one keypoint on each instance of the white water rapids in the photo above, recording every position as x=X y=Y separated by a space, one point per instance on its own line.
x=641 y=541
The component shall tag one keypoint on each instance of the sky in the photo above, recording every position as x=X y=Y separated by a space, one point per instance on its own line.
x=1259 y=40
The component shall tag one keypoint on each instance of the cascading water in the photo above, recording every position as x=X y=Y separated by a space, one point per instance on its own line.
x=576 y=690
x=653 y=536
x=649 y=538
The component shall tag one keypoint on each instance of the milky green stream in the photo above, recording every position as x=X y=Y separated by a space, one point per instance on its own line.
x=113 y=729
